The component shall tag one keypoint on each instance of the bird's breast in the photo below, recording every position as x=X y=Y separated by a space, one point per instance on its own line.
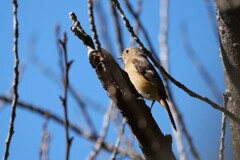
x=142 y=85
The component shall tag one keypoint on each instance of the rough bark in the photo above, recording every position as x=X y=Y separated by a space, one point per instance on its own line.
x=228 y=18
x=153 y=143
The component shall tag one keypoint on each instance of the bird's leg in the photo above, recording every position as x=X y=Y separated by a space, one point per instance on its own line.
x=152 y=104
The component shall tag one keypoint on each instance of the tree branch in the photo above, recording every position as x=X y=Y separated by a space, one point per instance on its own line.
x=44 y=146
x=47 y=114
x=15 y=81
x=118 y=29
x=223 y=129
x=105 y=125
x=175 y=110
x=116 y=82
x=228 y=15
x=65 y=95
x=114 y=153
x=165 y=73
x=92 y=25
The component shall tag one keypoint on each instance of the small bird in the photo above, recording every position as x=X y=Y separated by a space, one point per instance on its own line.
x=145 y=78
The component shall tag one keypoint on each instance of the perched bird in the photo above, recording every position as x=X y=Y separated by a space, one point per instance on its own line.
x=145 y=78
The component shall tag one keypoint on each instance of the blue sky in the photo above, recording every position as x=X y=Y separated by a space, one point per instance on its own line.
x=37 y=21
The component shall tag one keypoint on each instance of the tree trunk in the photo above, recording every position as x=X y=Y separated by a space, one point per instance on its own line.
x=228 y=18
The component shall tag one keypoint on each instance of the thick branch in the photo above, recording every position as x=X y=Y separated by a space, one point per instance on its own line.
x=228 y=16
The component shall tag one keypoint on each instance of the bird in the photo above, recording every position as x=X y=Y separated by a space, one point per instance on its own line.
x=145 y=78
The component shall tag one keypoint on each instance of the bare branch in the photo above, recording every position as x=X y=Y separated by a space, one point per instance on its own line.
x=209 y=81
x=49 y=73
x=223 y=128
x=79 y=32
x=136 y=27
x=15 y=81
x=184 y=131
x=165 y=73
x=103 y=26
x=118 y=29
x=136 y=16
x=114 y=153
x=175 y=111
x=59 y=48
x=92 y=25
x=64 y=99
x=130 y=103
x=103 y=133
x=44 y=146
x=47 y=114
x=82 y=107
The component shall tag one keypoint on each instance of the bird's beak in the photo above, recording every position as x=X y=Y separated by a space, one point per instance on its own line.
x=120 y=57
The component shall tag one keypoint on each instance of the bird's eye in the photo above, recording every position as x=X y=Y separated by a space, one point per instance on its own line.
x=127 y=51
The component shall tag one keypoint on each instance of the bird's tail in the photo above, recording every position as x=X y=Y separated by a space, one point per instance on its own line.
x=166 y=106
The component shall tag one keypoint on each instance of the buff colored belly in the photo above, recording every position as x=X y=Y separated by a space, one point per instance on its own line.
x=144 y=87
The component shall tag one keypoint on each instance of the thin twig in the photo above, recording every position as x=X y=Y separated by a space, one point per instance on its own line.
x=184 y=131
x=103 y=26
x=165 y=73
x=164 y=7
x=9 y=93
x=145 y=35
x=127 y=24
x=47 y=114
x=118 y=122
x=223 y=129
x=15 y=81
x=163 y=41
x=59 y=48
x=105 y=125
x=114 y=153
x=118 y=29
x=65 y=95
x=44 y=146
x=175 y=111
x=138 y=11
x=92 y=25
x=209 y=81
x=178 y=135
x=83 y=109
x=49 y=73
x=71 y=89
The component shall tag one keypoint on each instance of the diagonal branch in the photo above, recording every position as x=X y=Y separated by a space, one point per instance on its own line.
x=15 y=81
x=44 y=146
x=118 y=29
x=175 y=111
x=114 y=153
x=92 y=24
x=65 y=96
x=137 y=114
x=47 y=114
x=103 y=133
x=207 y=77
x=144 y=32
x=49 y=73
x=165 y=73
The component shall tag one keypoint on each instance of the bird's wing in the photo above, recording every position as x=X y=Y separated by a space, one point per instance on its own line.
x=145 y=68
